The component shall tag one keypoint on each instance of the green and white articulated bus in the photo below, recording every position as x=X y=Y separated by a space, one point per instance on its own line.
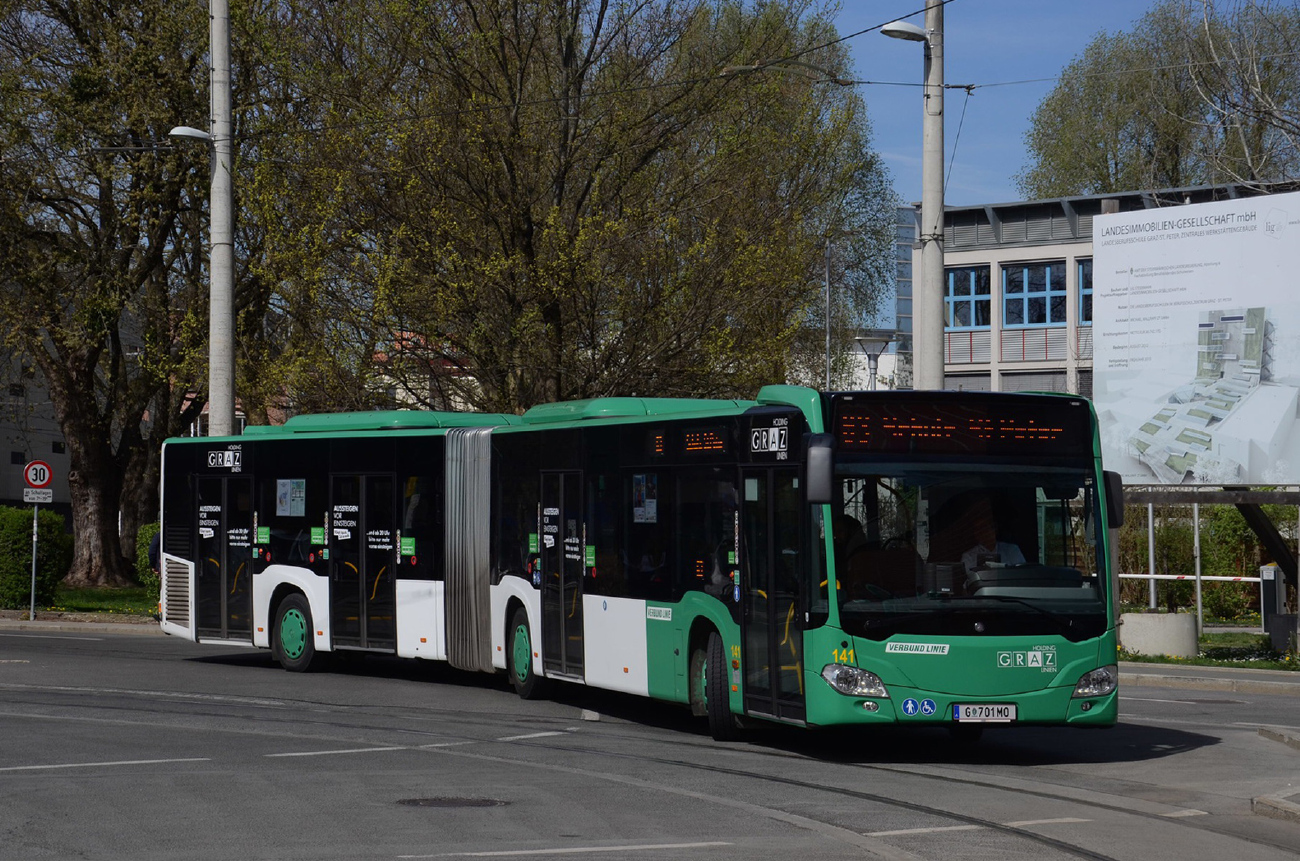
x=924 y=558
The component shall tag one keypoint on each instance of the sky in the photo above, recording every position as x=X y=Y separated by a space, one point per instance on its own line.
x=987 y=42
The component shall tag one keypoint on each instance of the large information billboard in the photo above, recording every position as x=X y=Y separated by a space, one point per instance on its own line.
x=1196 y=342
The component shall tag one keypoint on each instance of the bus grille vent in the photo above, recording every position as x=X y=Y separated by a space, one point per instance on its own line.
x=176 y=586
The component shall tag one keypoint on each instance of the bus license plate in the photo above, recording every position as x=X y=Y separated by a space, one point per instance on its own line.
x=981 y=713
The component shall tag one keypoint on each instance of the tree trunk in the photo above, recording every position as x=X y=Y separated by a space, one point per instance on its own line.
x=97 y=559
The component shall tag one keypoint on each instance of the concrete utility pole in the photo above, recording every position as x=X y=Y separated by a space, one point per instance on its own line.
x=927 y=297
x=221 y=299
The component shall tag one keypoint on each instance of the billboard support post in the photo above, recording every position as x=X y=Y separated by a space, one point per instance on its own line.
x=1151 y=552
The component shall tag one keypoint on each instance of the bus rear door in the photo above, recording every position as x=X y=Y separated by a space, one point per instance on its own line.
x=224 y=586
x=563 y=551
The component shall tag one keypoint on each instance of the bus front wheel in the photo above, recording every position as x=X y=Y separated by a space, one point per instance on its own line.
x=717 y=694
x=295 y=646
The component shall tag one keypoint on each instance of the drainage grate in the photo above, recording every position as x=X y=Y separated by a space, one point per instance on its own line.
x=452 y=802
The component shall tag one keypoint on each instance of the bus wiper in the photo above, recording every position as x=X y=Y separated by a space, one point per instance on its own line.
x=1063 y=621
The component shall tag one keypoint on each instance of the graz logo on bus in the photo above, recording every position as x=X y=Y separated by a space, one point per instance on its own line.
x=773 y=440
x=1040 y=658
x=231 y=460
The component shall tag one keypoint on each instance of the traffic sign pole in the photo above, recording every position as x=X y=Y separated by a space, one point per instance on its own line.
x=32 y=614
x=38 y=476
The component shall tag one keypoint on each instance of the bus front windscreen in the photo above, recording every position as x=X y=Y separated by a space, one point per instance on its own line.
x=951 y=549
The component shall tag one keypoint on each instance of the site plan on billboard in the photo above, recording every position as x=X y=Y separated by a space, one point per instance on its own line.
x=1196 y=342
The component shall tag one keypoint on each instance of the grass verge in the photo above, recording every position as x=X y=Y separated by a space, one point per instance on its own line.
x=1229 y=649
x=128 y=601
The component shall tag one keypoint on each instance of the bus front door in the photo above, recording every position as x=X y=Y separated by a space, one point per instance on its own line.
x=563 y=551
x=772 y=551
x=362 y=560
x=224 y=587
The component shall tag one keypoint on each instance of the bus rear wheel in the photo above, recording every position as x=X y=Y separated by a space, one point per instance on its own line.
x=717 y=694
x=295 y=646
x=520 y=653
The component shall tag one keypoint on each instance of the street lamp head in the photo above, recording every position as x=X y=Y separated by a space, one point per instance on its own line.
x=188 y=132
x=874 y=341
x=904 y=30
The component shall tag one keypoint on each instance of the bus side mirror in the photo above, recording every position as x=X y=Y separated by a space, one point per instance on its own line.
x=1114 y=499
x=821 y=469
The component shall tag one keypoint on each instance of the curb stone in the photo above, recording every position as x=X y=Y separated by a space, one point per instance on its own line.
x=123 y=627
x=1277 y=806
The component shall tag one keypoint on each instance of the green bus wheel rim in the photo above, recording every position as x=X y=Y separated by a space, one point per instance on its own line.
x=293 y=634
x=522 y=653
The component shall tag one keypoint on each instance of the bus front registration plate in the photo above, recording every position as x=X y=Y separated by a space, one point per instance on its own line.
x=984 y=713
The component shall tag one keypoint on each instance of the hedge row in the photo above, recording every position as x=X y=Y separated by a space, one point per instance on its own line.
x=53 y=557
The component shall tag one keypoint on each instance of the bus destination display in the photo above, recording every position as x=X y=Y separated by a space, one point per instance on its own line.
x=1013 y=429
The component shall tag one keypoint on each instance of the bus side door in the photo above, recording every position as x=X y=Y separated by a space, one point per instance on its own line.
x=223 y=574
x=563 y=551
x=772 y=621
x=362 y=561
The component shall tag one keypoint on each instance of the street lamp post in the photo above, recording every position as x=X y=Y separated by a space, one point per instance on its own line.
x=928 y=297
x=873 y=342
x=828 y=313
x=221 y=263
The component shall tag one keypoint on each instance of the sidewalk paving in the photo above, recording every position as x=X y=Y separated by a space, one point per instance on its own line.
x=55 y=624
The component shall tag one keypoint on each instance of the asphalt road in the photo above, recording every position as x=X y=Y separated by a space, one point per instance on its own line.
x=118 y=746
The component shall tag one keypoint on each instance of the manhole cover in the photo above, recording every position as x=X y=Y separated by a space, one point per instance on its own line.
x=451 y=802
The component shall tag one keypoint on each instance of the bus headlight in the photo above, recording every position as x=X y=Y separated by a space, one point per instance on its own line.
x=1097 y=683
x=854 y=682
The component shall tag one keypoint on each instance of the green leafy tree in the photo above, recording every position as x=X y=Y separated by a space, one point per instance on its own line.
x=99 y=257
x=1197 y=93
x=500 y=204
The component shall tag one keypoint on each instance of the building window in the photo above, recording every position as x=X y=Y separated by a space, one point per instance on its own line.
x=59 y=447
x=1033 y=294
x=969 y=299
x=17 y=390
x=17 y=458
x=1085 y=292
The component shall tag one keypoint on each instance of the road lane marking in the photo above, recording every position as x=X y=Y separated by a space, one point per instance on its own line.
x=1151 y=700
x=175 y=695
x=337 y=752
x=101 y=764
x=645 y=847
x=1064 y=820
x=1179 y=814
x=935 y=830
x=530 y=735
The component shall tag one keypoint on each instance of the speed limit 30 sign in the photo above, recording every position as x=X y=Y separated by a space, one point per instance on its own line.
x=38 y=474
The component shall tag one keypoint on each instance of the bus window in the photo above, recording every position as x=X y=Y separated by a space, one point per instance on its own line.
x=931 y=538
x=421 y=527
x=649 y=540
x=707 y=531
x=607 y=575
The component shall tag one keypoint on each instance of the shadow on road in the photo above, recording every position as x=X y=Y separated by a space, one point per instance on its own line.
x=877 y=745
